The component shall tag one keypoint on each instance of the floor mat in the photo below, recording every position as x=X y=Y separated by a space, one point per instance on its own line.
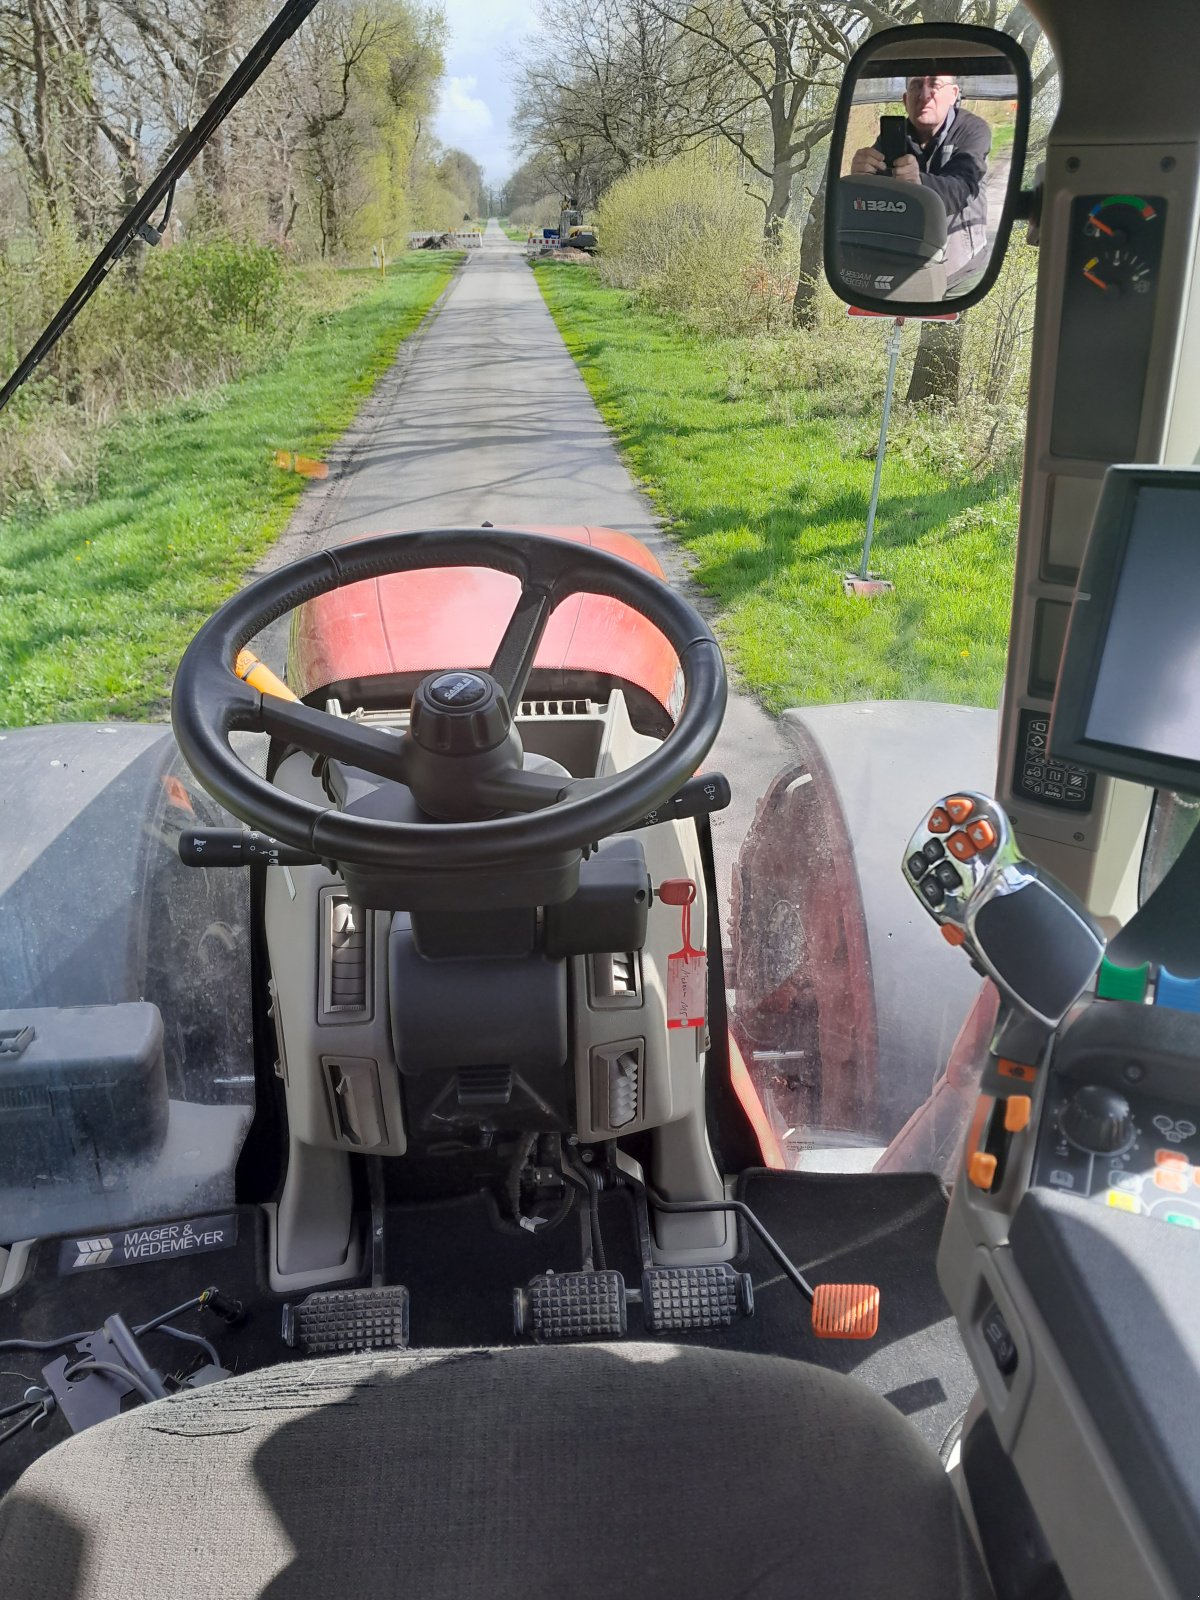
x=860 y=1228
x=49 y=1303
x=461 y=1268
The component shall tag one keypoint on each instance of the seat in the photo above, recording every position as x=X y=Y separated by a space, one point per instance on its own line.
x=652 y=1472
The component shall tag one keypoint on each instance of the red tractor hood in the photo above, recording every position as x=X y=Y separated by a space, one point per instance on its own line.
x=411 y=623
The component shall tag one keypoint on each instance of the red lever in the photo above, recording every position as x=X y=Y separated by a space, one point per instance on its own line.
x=676 y=891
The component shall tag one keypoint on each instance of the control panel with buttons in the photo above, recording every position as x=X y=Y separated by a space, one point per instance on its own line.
x=1019 y=926
x=1126 y=1151
x=1037 y=775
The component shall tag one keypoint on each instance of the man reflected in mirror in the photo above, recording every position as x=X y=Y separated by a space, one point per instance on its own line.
x=947 y=152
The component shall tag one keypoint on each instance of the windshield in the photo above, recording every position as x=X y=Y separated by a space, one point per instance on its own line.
x=430 y=268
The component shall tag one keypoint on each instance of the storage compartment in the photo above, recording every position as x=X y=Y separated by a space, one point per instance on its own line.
x=80 y=1081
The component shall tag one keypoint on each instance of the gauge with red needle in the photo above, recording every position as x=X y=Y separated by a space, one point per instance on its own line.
x=1116 y=268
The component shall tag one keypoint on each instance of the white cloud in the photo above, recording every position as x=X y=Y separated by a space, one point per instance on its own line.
x=463 y=116
x=476 y=100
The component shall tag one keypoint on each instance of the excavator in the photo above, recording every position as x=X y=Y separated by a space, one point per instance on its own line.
x=553 y=1244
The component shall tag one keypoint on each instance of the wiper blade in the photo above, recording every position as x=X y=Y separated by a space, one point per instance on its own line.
x=136 y=222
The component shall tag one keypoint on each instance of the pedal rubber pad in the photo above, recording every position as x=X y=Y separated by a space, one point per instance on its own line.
x=571 y=1305
x=340 y=1321
x=845 y=1311
x=674 y=1298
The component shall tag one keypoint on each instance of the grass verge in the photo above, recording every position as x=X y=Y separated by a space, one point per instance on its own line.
x=767 y=485
x=101 y=595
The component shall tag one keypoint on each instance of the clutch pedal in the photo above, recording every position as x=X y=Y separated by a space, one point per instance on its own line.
x=341 y=1321
x=675 y=1298
x=571 y=1305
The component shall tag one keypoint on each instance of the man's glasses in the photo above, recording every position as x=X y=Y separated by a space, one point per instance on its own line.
x=934 y=85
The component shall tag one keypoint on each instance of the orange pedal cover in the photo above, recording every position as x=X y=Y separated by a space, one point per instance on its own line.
x=845 y=1311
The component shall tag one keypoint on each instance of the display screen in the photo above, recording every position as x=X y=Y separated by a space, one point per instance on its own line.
x=1147 y=690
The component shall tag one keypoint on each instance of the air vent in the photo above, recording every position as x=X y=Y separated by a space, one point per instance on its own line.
x=617 y=1084
x=556 y=708
x=345 y=957
x=615 y=979
x=484 y=1086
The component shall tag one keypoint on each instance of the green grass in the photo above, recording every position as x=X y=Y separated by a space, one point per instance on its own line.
x=102 y=595
x=769 y=491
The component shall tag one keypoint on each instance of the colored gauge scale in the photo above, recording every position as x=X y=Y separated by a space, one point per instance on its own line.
x=1116 y=268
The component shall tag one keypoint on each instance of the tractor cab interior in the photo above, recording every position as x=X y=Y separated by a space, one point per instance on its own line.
x=408 y=1178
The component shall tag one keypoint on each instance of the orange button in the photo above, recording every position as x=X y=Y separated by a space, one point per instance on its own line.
x=952 y=933
x=960 y=847
x=1016 y=1069
x=938 y=822
x=981 y=834
x=981 y=1169
x=959 y=807
x=1172 y=1180
x=1170 y=1158
x=1018 y=1108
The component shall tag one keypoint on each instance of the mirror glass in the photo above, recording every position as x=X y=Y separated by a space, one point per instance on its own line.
x=925 y=173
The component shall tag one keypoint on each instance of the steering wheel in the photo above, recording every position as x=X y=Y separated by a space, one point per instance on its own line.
x=461 y=741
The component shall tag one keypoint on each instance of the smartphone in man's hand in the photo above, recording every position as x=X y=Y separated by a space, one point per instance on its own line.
x=893 y=138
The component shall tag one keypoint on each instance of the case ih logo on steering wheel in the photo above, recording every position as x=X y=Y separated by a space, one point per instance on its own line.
x=880 y=205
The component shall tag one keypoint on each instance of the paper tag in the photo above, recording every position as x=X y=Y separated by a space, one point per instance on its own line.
x=687 y=989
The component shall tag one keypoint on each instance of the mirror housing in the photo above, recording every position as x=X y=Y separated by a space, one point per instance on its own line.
x=932 y=237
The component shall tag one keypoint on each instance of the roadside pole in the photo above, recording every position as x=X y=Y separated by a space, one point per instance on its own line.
x=865 y=583
x=893 y=347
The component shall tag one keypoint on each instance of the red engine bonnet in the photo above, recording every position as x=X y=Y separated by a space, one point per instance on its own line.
x=416 y=622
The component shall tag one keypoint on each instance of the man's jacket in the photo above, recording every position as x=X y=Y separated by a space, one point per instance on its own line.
x=954 y=166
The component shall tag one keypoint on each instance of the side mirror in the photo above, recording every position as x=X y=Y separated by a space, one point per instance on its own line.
x=925 y=166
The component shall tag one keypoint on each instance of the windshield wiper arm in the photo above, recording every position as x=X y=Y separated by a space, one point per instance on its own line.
x=162 y=186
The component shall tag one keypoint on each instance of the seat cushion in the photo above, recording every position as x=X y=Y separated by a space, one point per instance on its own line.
x=582 y=1472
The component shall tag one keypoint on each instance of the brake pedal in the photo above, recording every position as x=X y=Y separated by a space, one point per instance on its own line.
x=340 y=1321
x=675 y=1298
x=571 y=1305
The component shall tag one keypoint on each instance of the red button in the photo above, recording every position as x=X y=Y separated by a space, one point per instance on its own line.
x=938 y=822
x=952 y=933
x=1172 y=1180
x=981 y=834
x=959 y=807
x=1170 y=1158
x=960 y=847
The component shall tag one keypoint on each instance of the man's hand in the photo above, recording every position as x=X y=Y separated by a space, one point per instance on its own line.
x=866 y=163
x=906 y=169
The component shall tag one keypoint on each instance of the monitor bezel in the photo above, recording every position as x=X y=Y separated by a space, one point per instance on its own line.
x=1087 y=630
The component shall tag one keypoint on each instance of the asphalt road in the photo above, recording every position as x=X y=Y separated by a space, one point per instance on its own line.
x=484 y=417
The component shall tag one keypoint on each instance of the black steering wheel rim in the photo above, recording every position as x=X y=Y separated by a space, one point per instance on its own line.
x=209 y=702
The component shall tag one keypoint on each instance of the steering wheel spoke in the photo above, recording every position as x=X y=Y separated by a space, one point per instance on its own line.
x=375 y=750
x=513 y=661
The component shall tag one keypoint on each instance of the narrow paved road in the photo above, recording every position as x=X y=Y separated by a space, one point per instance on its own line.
x=485 y=418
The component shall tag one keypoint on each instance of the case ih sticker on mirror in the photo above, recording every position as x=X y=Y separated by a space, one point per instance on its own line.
x=157 y=1242
x=687 y=967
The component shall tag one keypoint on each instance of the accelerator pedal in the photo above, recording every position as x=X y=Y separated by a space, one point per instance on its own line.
x=845 y=1311
x=674 y=1298
x=571 y=1305
x=341 y=1321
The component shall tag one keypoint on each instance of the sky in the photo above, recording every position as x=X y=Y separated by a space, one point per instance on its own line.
x=476 y=100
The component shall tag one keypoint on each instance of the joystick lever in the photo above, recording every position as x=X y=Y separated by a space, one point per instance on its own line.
x=1019 y=925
